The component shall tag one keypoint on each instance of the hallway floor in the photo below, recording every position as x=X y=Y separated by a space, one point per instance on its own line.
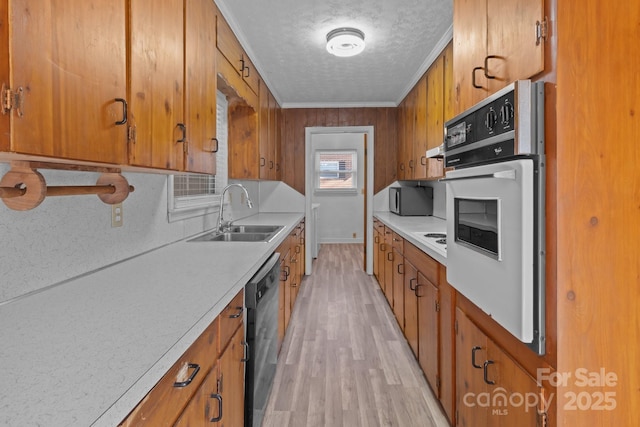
x=344 y=360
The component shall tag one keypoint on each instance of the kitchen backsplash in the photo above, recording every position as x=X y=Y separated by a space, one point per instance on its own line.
x=69 y=236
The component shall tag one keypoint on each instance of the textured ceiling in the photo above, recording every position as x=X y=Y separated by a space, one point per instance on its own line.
x=286 y=40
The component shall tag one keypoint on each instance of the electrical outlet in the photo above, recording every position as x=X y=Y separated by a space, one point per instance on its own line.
x=116 y=215
x=354 y=235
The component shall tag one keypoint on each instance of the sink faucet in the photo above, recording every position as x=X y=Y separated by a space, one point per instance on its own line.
x=220 y=226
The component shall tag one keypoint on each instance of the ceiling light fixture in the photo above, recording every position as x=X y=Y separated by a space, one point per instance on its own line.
x=345 y=42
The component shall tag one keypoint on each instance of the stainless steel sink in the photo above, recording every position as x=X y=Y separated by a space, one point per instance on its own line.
x=254 y=228
x=241 y=233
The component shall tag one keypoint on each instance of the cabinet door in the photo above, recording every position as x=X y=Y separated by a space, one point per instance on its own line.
x=409 y=134
x=70 y=59
x=435 y=104
x=469 y=51
x=420 y=128
x=398 y=287
x=401 y=164
x=512 y=46
x=447 y=338
x=206 y=406
x=511 y=383
x=232 y=381
x=272 y=137
x=156 y=68
x=376 y=251
x=449 y=94
x=428 y=328
x=263 y=133
x=388 y=265
x=200 y=84
x=411 y=306
x=471 y=353
x=283 y=311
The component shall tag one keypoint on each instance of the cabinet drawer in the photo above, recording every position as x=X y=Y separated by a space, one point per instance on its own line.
x=164 y=403
x=423 y=262
x=398 y=242
x=231 y=319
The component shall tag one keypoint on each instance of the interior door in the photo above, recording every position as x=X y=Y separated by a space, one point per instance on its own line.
x=342 y=210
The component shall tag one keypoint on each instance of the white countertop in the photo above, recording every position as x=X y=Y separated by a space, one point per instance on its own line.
x=86 y=351
x=413 y=228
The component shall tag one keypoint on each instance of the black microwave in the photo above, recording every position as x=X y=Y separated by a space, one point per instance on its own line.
x=408 y=201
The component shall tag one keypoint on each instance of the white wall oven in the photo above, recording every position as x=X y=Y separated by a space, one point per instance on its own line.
x=495 y=208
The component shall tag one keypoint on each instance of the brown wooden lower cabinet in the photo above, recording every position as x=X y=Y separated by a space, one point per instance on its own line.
x=492 y=389
x=207 y=379
x=292 y=272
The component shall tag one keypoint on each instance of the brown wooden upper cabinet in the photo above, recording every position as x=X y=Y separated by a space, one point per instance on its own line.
x=492 y=49
x=421 y=118
x=172 y=114
x=63 y=76
x=269 y=135
x=232 y=50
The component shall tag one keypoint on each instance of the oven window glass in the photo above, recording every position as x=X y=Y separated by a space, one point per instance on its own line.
x=476 y=224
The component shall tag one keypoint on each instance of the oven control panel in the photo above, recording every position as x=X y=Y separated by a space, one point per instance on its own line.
x=508 y=123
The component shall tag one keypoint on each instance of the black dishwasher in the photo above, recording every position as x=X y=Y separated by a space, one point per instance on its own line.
x=261 y=299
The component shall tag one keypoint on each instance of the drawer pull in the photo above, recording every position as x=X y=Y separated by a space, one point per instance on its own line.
x=246 y=351
x=196 y=369
x=124 y=111
x=238 y=314
x=473 y=357
x=219 y=399
x=411 y=285
x=486 y=365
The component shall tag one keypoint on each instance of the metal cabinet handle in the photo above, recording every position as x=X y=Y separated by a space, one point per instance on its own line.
x=238 y=314
x=270 y=164
x=486 y=365
x=297 y=249
x=423 y=160
x=486 y=66
x=415 y=291
x=241 y=65
x=411 y=164
x=413 y=279
x=215 y=150
x=473 y=357
x=263 y=161
x=376 y=239
x=124 y=111
x=246 y=351
x=196 y=369
x=398 y=268
x=183 y=129
x=248 y=69
x=219 y=399
x=286 y=270
x=390 y=256
x=473 y=78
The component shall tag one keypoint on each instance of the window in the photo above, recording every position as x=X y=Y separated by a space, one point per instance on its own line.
x=192 y=195
x=336 y=170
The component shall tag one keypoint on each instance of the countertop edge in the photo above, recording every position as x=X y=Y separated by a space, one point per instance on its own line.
x=399 y=225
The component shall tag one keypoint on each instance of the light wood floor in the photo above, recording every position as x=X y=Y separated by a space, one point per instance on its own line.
x=344 y=360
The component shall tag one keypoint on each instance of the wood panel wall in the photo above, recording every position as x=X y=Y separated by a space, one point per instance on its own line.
x=294 y=122
x=598 y=211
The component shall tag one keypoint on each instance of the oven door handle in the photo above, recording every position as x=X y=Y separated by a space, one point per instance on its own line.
x=508 y=174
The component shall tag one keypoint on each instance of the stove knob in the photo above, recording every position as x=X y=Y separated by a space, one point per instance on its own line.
x=506 y=113
x=491 y=119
